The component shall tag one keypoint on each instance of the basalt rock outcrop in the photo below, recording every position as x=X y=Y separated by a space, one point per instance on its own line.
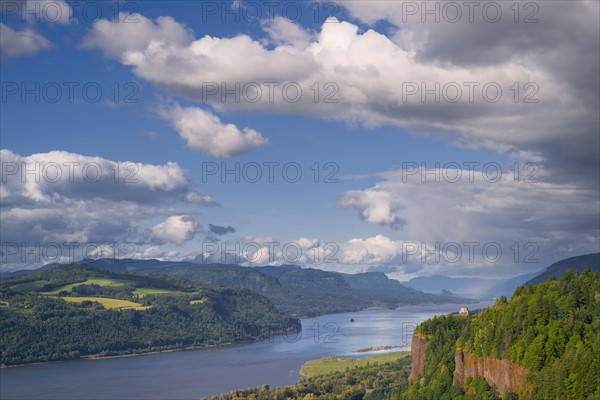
x=418 y=356
x=504 y=374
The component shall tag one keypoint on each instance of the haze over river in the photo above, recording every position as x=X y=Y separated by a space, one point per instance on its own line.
x=192 y=374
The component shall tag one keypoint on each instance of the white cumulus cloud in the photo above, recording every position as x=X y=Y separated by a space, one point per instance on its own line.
x=204 y=131
x=26 y=42
x=69 y=201
x=371 y=77
x=135 y=33
x=175 y=229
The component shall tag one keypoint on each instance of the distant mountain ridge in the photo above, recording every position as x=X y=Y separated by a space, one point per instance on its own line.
x=294 y=290
x=578 y=263
x=306 y=290
x=272 y=269
x=469 y=287
x=492 y=288
x=374 y=281
x=109 y=264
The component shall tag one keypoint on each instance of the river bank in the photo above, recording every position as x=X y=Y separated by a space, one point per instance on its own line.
x=191 y=374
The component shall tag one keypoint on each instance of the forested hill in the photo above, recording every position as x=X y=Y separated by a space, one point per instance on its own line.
x=293 y=290
x=72 y=311
x=549 y=332
x=543 y=344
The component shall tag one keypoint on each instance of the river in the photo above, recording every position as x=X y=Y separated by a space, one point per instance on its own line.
x=197 y=373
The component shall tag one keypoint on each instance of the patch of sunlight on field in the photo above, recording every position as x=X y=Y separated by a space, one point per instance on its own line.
x=330 y=365
x=108 y=303
x=93 y=281
x=200 y=301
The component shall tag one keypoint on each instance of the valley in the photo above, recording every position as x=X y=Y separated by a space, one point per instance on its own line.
x=450 y=353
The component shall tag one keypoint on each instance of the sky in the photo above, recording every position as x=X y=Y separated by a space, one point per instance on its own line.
x=411 y=138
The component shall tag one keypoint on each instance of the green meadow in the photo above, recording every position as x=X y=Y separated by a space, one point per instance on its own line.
x=108 y=303
x=329 y=365
x=92 y=281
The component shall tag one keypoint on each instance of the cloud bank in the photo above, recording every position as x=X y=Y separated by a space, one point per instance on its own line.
x=518 y=95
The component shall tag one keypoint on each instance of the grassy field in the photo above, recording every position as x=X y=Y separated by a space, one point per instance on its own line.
x=377 y=348
x=108 y=303
x=93 y=281
x=200 y=301
x=329 y=365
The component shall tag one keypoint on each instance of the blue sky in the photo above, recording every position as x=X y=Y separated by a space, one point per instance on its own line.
x=370 y=140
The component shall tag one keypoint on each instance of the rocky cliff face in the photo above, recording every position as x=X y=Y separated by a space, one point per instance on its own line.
x=502 y=373
x=417 y=350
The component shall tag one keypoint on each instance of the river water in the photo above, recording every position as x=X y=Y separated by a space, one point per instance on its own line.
x=192 y=374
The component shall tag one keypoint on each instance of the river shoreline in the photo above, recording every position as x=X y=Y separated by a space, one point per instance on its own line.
x=185 y=373
x=96 y=357
x=207 y=347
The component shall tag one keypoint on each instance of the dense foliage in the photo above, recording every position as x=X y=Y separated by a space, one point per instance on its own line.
x=435 y=383
x=553 y=329
x=293 y=290
x=37 y=326
x=372 y=382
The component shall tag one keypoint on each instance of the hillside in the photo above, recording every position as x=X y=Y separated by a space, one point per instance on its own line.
x=306 y=291
x=74 y=311
x=543 y=344
x=375 y=281
x=108 y=264
x=578 y=263
x=293 y=290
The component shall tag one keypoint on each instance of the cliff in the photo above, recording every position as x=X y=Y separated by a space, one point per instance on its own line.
x=417 y=350
x=542 y=344
x=501 y=373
